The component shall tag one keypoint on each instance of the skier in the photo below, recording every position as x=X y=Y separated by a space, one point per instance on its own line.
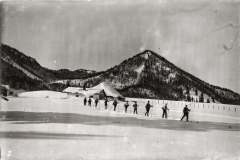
x=85 y=101
x=84 y=86
x=148 y=106
x=135 y=108
x=115 y=104
x=186 y=111
x=89 y=102
x=96 y=102
x=126 y=106
x=165 y=109
x=106 y=103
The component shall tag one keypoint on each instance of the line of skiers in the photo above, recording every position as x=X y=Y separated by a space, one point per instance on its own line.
x=148 y=106
x=89 y=101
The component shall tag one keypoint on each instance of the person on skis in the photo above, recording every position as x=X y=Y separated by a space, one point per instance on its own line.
x=147 y=107
x=85 y=101
x=186 y=111
x=115 y=104
x=106 y=103
x=165 y=111
x=126 y=105
x=135 y=106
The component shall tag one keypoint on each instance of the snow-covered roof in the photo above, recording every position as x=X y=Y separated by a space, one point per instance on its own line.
x=91 y=92
x=108 y=89
x=104 y=86
x=73 y=90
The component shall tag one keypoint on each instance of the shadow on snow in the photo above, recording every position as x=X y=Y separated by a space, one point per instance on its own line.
x=70 y=118
x=42 y=135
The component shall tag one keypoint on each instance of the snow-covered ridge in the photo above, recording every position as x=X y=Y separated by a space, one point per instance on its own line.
x=140 y=69
x=27 y=73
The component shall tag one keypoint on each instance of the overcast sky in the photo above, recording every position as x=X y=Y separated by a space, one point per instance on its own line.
x=201 y=37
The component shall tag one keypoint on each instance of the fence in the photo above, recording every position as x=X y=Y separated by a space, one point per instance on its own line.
x=211 y=112
x=213 y=108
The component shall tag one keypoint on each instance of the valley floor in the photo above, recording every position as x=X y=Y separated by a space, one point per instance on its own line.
x=41 y=129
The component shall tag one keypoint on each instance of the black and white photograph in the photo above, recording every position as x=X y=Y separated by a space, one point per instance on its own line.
x=120 y=80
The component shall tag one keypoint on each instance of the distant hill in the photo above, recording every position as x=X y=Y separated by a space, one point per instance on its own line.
x=24 y=72
x=145 y=75
x=148 y=75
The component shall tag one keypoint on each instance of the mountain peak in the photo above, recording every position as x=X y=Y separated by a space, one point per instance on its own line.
x=149 y=53
x=149 y=75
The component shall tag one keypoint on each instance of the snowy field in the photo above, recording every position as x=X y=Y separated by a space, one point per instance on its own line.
x=62 y=128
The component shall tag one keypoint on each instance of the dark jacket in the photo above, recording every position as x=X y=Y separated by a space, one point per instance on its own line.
x=135 y=105
x=115 y=103
x=186 y=110
x=148 y=106
x=105 y=102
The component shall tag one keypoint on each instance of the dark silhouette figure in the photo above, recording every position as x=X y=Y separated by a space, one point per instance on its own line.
x=165 y=109
x=115 y=105
x=135 y=108
x=96 y=102
x=106 y=103
x=186 y=111
x=89 y=102
x=148 y=106
x=85 y=101
x=126 y=105
x=84 y=87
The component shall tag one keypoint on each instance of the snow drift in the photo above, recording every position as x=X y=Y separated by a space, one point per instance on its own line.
x=43 y=94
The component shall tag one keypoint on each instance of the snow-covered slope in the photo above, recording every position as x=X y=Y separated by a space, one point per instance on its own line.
x=26 y=72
